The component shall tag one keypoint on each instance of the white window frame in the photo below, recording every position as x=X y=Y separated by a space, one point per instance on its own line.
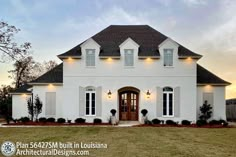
x=88 y=58
x=128 y=53
x=167 y=103
x=90 y=92
x=167 y=57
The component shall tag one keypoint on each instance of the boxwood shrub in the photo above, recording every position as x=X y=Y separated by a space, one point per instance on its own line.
x=24 y=119
x=201 y=122
x=80 y=120
x=170 y=122
x=42 y=119
x=61 y=120
x=214 y=122
x=156 y=121
x=185 y=122
x=97 y=121
x=51 y=119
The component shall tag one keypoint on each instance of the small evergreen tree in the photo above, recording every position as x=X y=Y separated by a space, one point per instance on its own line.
x=206 y=111
x=30 y=108
x=37 y=107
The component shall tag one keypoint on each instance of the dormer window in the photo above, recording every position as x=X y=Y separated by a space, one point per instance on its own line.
x=129 y=57
x=90 y=57
x=168 y=57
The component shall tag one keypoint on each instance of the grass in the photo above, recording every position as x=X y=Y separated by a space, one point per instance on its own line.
x=135 y=141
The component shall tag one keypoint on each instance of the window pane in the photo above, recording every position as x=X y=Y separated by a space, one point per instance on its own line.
x=164 y=104
x=168 y=57
x=90 y=57
x=166 y=89
x=87 y=103
x=129 y=58
x=93 y=103
x=170 y=104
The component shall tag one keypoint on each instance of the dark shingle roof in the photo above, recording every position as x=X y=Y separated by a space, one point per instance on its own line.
x=206 y=77
x=23 y=89
x=53 y=76
x=145 y=36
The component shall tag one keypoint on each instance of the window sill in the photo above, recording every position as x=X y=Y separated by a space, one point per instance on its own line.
x=91 y=67
x=168 y=66
x=129 y=67
x=90 y=115
x=168 y=116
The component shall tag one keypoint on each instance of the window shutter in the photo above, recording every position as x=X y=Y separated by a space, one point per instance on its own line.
x=177 y=102
x=81 y=101
x=98 y=105
x=159 y=97
x=50 y=104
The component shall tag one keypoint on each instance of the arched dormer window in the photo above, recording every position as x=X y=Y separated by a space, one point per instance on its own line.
x=168 y=101
x=90 y=101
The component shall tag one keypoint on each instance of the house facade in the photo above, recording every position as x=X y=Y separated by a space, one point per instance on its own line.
x=127 y=68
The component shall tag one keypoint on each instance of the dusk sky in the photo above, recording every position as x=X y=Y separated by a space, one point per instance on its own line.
x=55 y=26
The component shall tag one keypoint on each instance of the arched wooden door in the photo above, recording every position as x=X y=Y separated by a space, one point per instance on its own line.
x=128 y=105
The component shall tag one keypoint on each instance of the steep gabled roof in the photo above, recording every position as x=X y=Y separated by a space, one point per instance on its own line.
x=53 y=76
x=111 y=37
x=206 y=77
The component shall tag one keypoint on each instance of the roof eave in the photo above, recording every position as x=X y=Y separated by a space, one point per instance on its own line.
x=214 y=84
x=45 y=83
x=193 y=57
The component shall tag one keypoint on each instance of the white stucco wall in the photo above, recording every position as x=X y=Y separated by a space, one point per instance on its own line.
x=41 y=92
x=147 y=74
x=219 y=111
x=19 y=105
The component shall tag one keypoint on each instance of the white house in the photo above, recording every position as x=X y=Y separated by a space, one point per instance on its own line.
x=127 y=68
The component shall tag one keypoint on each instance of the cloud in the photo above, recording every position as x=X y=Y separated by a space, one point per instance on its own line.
x=195 y=2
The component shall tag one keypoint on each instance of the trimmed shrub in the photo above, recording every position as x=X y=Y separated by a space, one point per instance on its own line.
x=170 y=122
x=185 y=122
x=61 y=120
x=51 y=119
x=214 y=122
x=113 y=112
x=80 y=120
x=42 y=119
x=223 y=122
x=24 y=119
x=156 y=121
x=144 y=112
x=201 y=122
x=97 y=121
x=68 y=121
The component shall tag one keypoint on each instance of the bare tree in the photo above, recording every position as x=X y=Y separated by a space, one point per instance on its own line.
x=8 y=47
x=27 y=69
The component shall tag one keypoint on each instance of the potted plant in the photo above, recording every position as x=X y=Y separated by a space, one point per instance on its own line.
x=144 y=117
x=113 y=117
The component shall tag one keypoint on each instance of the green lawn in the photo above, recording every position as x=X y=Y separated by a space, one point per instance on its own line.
x=135 y=141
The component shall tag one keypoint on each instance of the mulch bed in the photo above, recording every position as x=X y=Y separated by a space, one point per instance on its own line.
x=54 y=124
x=188 y=126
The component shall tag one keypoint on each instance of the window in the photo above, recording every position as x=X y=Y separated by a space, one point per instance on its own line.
x=168 y=102
x=50 y=104
x=168 y=57
x=90 y=101
x=90 y=57
x=129 y=57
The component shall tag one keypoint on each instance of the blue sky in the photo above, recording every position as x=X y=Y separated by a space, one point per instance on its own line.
x=55 y=26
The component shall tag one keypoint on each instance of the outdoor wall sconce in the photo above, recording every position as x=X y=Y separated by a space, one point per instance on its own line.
x=109 y=94
x=148 y=94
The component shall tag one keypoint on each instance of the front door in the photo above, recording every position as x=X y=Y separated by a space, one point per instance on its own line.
x=128 y=105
